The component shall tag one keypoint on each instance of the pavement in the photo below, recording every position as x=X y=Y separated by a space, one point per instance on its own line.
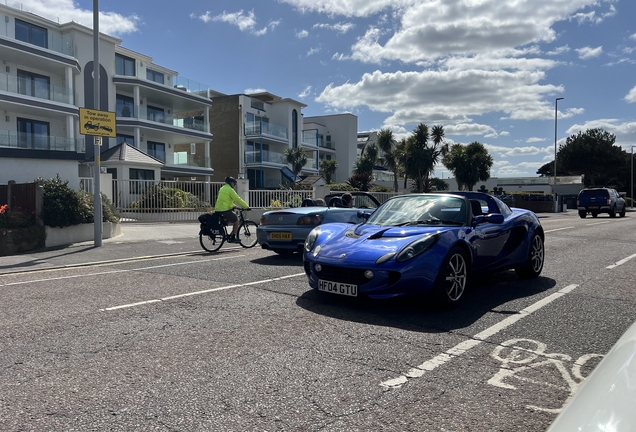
x=138 y=240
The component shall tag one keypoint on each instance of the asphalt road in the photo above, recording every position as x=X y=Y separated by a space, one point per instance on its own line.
x=149 y=332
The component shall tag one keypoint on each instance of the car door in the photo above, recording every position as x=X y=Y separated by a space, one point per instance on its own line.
x=489 y=240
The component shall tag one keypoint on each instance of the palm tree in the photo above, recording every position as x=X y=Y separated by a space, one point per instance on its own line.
x=421 y=156
x=367 y=161
x=387 y=144
x=328 y=168
x=297 y=158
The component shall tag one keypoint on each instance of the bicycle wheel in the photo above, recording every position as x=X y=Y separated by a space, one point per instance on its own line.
x=212 y=242
x=247 y=234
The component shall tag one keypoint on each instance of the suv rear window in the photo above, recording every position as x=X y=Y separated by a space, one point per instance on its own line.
x=595 y=192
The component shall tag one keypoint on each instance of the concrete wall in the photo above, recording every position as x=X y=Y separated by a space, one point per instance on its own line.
x=79 y=233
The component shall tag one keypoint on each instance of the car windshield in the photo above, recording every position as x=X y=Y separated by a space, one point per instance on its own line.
x=420 y=210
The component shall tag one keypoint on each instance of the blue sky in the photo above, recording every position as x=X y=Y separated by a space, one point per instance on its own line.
x=487 y=70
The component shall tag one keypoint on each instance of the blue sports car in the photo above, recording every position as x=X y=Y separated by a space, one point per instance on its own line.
x=424 y=244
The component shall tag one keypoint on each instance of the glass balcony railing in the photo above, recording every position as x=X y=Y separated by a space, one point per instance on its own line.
x=13 y=84
x=191 y=86
x=263 y=128
x=311 y=139
x=143 y=113
x=255 y=156
x=311 y=164
x=187 y=159
x=27 y=141
x=56 y=42
x=327 y=144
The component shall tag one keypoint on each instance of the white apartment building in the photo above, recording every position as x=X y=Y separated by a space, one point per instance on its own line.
x=337 y=138
x=46 y=77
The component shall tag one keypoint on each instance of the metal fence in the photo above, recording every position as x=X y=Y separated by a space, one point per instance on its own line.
x=278 y=198
x=163 y=201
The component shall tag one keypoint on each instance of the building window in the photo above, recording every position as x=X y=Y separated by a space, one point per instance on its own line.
x=30 y=33
x=125 y=106
x=295 y=128
x=124 y=65
x=140 y=180
x=154 y=76
x=33 y=134
x=155 y=114
x=128 y=139
x=32 y=84
x=157 y=150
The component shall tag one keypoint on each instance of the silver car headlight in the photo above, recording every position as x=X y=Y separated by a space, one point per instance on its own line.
x=417 y=247
x=310 y=241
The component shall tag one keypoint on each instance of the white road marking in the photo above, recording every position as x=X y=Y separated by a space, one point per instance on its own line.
x=621 y=262
x=558 y=229
x=200 y=292
x=115 y=271
x=597 y=223
x=462 y=347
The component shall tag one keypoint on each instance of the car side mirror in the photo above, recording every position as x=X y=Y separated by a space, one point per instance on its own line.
x=363 y=214
x=622 y=194
x=495 y=218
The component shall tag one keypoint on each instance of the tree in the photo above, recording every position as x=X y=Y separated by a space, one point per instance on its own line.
x=469 y=163
x=592 y=154
x=423 y=151
x=367 y=161
x=297 y=158
x=328 y=168
x=389 y=158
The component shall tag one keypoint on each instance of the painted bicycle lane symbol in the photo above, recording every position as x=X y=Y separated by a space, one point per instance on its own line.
x=520 y=357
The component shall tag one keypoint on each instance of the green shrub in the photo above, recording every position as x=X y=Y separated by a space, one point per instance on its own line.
x=158 y=196
x=341 y=187
x=109 y=211
x=62 y=205
x=380 y=188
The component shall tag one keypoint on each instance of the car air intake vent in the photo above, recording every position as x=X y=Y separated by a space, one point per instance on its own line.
x=343 y=275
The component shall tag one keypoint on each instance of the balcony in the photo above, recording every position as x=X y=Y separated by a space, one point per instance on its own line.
x=265 y=128
x=56 y=42
x=311 y=164
x=187 y=159
x=12 y=84
x=143 y=113
x=26 y=141
x=327 y=145
x=311 y=139
x=256 y=157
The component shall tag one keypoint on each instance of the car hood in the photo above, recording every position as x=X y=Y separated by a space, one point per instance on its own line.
x=368 y=242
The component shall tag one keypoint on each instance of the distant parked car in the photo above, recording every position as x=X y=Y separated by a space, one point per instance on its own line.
x=284 y=231
x=106 y=128
x=600 y=200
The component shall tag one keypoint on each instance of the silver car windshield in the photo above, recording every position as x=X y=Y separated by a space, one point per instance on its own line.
x=421 y=210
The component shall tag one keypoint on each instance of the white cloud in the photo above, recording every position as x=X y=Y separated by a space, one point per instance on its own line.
x=559 y=50
x=249 y=91
x=67 y=10
x=244 y=21
x=589 y=52
x=302 y=34
x=631 y=96
x=535 y=139
x=313 y=51
x=306 y=92
x=341 y=28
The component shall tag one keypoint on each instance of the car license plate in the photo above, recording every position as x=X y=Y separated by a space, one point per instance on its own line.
x=338 y=288
x=280 y=236
x=593 y=207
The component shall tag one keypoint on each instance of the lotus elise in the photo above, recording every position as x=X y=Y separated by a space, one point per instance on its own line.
x=424 y=244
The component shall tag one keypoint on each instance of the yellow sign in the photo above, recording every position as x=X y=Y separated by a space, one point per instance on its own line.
x=98 y=123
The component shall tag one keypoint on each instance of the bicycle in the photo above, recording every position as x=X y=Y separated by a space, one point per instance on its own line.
x=246 y=234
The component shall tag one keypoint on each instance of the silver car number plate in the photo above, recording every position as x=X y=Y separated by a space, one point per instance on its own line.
x=338 y=288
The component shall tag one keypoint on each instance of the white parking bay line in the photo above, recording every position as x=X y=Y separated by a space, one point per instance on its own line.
x=559 y=229
x=141 y=303
x=462 y=347
x=623 y=261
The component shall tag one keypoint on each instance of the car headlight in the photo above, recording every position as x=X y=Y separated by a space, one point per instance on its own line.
x=417 y=247
x=310 y=241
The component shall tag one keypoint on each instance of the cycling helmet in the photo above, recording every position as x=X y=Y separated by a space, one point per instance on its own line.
x=230 y=180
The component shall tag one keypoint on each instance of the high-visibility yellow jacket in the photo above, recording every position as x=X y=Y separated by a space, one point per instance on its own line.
x=227 y=198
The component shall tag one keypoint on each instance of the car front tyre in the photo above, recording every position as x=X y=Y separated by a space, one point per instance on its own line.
x=536 y=257
x=452 y=279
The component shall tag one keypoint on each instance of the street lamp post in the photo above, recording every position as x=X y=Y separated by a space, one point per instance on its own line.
x=632 y=178
x=556 y=111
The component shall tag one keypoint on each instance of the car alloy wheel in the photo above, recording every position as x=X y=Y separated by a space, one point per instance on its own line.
x=456 y=275
x=536 y=257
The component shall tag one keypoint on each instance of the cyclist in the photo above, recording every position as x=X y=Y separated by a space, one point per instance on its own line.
x=225 y=202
